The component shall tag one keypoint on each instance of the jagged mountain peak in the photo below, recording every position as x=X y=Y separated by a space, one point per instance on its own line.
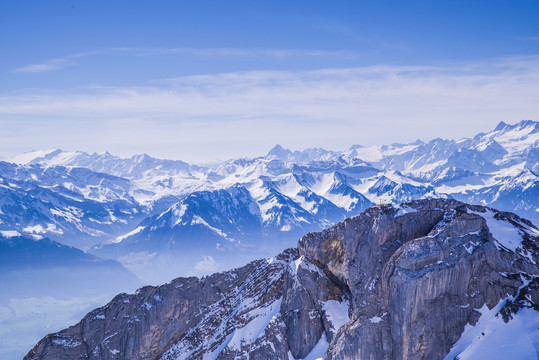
x=501 y=125
x=522 y=128
x=278 y=152
x=519 y=125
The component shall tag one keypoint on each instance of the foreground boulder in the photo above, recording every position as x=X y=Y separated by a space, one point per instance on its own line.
x=429 y=279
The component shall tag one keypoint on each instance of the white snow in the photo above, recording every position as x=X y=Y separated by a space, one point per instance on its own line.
x=289 y=186
x=516 y=140
x=200 y=221
x=146 y=305
x=376 y=319
x=260 y=318
x=318 y=351
x=323 y=187
x=70 y=214
x=402 y=210
x=491 y=338
x=298 y=261
x=506 y=235
x=337 y=312
x=28 y=157
x=178 y=213
x=301 y=262
x=152 y=183
x=343 y=201
x=429 y=167
x=374 y=154
x=125 y=236
x=71 y=343
x=39 y=229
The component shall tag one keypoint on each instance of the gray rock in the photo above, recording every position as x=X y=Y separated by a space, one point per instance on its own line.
x=403 y=281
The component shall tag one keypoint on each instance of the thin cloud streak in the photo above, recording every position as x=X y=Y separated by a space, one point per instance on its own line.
x=53 y=64
x=60 y=63
x=50 y=65
x=335 y=108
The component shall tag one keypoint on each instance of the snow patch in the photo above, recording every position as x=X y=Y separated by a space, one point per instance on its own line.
x=318 y=351
x=38 y=229
x=377 y=319
x=125 y=236
x=70 y=343
x=260 y=319
x=402 y=210
x=337 y=312
x=491 y=338
x=506 y=235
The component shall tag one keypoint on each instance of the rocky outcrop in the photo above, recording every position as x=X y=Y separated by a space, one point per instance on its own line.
x=396 y=282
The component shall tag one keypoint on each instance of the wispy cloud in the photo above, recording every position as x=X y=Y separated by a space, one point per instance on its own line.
x=60 y=63
x=191 y=116
x=50 y=65
x=53 y=64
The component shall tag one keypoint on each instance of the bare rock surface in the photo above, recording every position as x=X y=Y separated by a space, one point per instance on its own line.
x=396 y=282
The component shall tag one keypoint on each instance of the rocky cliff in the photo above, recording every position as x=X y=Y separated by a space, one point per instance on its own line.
x=397 y=282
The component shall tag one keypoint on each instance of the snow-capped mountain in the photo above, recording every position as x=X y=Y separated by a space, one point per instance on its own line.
x=397 y=282
x=142 y=210
x=74 y=206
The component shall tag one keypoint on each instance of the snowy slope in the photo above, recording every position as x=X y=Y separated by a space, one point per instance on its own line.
x=75 y=206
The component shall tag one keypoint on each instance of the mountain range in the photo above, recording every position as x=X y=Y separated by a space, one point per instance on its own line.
x=78 y=228
x=165 y=218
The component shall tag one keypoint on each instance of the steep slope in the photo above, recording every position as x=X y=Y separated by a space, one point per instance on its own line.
x=216 y=229
x=397 y=282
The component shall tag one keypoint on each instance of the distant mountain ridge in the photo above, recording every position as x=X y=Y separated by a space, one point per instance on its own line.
x=34 y=268
x=144 y=211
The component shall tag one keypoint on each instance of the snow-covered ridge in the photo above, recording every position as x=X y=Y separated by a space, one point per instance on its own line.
x=142 y=205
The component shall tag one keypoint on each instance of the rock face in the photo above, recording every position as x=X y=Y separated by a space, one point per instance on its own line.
x=396 y=282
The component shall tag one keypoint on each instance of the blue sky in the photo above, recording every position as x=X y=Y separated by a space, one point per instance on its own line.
x=200 y=80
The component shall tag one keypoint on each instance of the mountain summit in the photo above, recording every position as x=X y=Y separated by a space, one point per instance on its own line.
x=428 y=279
